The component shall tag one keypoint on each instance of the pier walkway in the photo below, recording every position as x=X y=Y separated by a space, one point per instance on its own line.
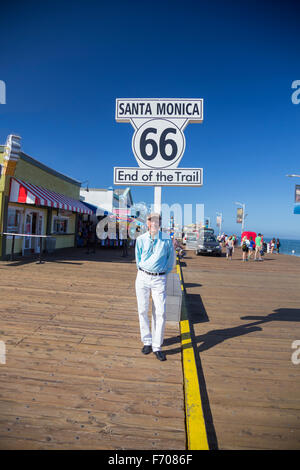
x=75 y=378
x=244 y=318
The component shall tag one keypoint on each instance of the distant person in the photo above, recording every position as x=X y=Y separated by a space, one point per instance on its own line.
x=258 y=247
x=263 y=244
x=178 y=248
x=251 y=247
x=85 y=234
x=229 y=248
x=233 y=242
x=225 y=240
x=91 y=237
x=124 y=242
x=277 y=245
x=262 y=252
x=272 y=245
x=245 y=248
x=124 y=248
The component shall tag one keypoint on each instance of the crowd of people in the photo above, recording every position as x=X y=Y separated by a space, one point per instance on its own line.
x=255 y=247
x=272 y=245
x=87 y=237
x=258 y=247
x=251 y=248
x=223 y=238
x=229 y=242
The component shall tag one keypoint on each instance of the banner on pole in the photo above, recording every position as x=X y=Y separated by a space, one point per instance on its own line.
x=239 y=215
x=297 y=199
x=297 y=209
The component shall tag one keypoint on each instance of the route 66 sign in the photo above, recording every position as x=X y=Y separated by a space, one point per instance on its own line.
x=158 y=144
x=158 y=141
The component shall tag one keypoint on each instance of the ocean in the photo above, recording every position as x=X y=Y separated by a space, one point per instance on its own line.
x=287 y=247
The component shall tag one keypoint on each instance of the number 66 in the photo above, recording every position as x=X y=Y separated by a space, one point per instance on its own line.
x=158 y=144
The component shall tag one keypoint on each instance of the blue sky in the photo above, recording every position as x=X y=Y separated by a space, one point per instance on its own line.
x=64 y=65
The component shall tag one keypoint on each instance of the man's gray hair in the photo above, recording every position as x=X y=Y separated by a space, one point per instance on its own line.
x=154 y=215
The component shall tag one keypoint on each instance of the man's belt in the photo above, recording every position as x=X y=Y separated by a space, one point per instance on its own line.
x=152 y=274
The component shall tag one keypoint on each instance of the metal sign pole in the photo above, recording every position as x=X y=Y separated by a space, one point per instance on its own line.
x=157 y=199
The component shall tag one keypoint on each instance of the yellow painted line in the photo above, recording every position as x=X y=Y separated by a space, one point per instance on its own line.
x=195 y=423
x=180 y=277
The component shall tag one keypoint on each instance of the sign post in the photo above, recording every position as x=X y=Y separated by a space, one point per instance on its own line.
x=158 y=142
x=157 y=199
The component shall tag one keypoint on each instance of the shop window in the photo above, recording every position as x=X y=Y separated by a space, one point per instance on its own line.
x=14 y=220
x=60 y=225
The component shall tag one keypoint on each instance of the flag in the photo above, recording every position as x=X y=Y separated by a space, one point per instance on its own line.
x=239 y=215
x=297 y=193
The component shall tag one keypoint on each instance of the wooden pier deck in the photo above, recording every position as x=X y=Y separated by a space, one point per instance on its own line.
x=244 y=317
x=75 y=377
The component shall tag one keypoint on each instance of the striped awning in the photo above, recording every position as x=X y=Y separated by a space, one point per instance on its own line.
x=28 y=193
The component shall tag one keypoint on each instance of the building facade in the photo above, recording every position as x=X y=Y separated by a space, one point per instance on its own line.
x=36 y=200
x=113 y=201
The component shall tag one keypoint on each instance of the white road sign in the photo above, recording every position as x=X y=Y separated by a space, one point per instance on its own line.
x=158 y=142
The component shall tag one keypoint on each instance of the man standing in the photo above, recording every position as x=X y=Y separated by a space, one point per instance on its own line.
x=154 y=259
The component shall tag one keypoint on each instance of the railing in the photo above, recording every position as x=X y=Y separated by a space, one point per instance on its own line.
x=26 y=235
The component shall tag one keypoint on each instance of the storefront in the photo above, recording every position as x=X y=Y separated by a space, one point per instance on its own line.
x=116 y=206
x=37 y=200
x=109 y=200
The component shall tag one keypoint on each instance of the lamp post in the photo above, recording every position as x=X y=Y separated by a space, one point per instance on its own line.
x=87 y=184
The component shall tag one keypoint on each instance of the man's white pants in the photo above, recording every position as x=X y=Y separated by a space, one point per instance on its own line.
x=145 y=284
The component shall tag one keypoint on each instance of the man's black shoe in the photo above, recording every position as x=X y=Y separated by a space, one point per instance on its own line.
x=160 y=355
x=146 y=349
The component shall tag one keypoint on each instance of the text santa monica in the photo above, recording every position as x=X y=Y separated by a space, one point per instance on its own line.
x=177 y=108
